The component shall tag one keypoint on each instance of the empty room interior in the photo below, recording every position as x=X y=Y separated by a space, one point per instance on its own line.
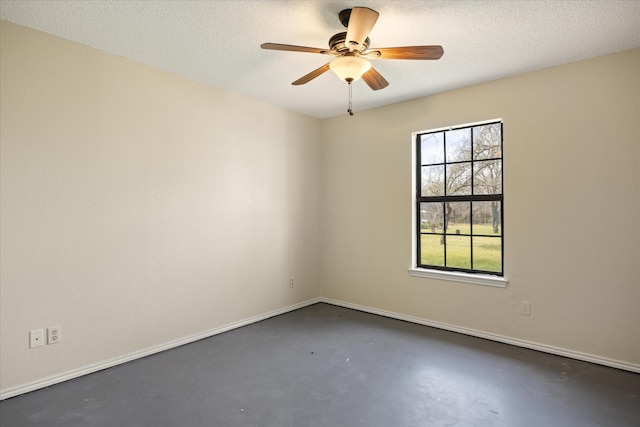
x=188 y=238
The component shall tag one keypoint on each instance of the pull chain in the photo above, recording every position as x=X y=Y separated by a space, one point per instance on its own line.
x=350 y=111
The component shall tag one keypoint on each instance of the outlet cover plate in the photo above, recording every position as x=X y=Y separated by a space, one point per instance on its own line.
x=54 y=334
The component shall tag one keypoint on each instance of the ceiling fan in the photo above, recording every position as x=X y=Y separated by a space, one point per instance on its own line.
x=352 y=52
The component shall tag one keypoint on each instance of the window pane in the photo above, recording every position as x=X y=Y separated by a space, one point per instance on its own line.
x=459 y=145
x=487 y=177
x=487 y=218
x=432 y=181
x=458 y=218
x=458 y=251
x=431 y=250
x=459 y=179
x=432 y=148
x=487 y=141
x=487 y=254
x=460 y=199
x=431 y=217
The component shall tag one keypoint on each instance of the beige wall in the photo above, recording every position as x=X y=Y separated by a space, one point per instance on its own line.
x=139 y=208
x=572 y=208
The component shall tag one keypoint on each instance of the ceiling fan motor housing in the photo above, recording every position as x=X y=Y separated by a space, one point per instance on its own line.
x=337 y=43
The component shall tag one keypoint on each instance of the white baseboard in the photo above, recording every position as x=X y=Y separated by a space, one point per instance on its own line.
x=55 y=379
x=494 y=337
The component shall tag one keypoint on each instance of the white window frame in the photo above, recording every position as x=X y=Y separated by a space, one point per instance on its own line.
x=455 y=276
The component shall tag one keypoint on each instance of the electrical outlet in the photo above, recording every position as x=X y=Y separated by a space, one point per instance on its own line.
x=525 y=308
x=292 y=281
x=54 y=334
x=36 y=338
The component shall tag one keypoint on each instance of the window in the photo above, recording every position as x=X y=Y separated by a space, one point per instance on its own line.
x=458 y=199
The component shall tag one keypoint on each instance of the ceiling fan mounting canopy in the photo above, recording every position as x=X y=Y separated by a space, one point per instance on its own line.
x=344 y=16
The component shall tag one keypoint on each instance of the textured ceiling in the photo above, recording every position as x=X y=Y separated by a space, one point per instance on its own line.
x=218 y=42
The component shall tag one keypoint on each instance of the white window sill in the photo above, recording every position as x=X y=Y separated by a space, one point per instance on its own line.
x=476 y=279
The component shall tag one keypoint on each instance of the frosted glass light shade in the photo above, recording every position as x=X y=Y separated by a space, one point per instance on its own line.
x=350 y=68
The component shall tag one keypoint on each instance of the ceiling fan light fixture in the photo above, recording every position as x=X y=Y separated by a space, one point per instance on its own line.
x=350 y=68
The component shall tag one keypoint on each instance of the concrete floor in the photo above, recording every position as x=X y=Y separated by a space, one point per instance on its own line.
x=330 y=366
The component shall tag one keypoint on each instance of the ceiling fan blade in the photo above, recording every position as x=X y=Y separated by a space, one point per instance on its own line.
x=407 y=52
x=361 y=23
x=312 y=75
x=293 y=48
x=374 y=79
